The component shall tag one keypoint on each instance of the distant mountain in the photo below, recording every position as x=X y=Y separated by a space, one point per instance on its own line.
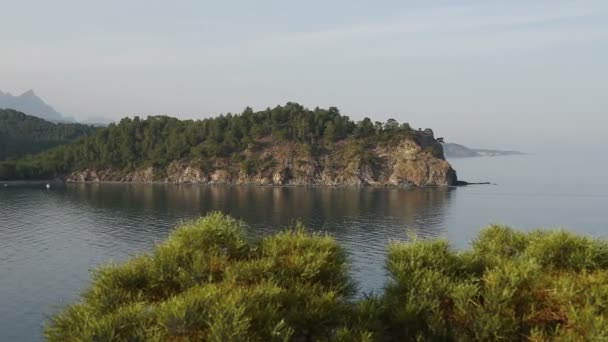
x=30 y=103
x=22 y=134
x=452 y=150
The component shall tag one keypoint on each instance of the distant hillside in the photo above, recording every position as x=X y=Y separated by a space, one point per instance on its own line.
x=22 y=134
x=97 y=121
x=452 y=150
x=285 y=145
x=29 y=103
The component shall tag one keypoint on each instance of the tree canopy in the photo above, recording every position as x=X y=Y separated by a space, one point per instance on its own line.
x=158 y=140
x=22 y=134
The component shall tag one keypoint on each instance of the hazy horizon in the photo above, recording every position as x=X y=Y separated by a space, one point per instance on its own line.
x=479 y=73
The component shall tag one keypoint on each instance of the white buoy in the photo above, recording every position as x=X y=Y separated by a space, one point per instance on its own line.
x=48 y=186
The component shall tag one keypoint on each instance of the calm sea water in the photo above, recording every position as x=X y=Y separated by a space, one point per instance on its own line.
x=50 y=239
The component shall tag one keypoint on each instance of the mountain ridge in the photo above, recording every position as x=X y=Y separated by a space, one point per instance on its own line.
x=30 y=103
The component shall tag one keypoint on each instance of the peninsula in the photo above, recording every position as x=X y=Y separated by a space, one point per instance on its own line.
x=286 y=145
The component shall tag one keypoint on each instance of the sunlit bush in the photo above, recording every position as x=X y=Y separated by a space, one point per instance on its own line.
x=208 y=282
x=543 y=285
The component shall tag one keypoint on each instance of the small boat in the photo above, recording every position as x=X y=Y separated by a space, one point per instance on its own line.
x=48 y=186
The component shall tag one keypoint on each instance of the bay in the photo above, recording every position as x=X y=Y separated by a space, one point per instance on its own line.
x=50 y=239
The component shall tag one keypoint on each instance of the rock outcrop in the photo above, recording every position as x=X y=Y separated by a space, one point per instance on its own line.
x=417 y=161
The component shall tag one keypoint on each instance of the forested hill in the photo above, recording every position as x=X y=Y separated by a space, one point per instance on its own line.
x=22 y=134
x=234 y=143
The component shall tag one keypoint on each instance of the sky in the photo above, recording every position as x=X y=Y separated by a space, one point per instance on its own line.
x=484 y=73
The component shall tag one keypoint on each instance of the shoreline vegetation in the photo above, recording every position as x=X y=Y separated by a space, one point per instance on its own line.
x=208 y=281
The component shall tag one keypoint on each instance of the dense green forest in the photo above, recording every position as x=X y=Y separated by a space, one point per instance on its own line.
x=209 y=282
x=158 y=140
x=22 y=134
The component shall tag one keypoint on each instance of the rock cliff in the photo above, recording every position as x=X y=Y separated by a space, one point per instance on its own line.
x=417 y=161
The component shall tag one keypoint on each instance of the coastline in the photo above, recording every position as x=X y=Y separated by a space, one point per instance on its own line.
x=250 y=185
x=30 y=182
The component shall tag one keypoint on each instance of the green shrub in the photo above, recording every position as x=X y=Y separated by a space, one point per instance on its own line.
x=511 y=285
x=208 y=282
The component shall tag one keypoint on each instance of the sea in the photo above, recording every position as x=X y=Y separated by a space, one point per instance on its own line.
x=51 y=239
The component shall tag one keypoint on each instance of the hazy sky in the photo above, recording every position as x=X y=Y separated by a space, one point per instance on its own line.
x=478 y=72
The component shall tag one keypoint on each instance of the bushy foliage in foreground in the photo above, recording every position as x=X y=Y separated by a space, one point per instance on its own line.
x=511 y=286
x=209 y=283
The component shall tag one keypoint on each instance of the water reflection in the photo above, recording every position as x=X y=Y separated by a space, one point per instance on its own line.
x=270 y=208
x=362 y=220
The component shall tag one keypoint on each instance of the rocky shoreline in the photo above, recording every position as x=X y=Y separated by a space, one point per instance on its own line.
x=410 y=163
